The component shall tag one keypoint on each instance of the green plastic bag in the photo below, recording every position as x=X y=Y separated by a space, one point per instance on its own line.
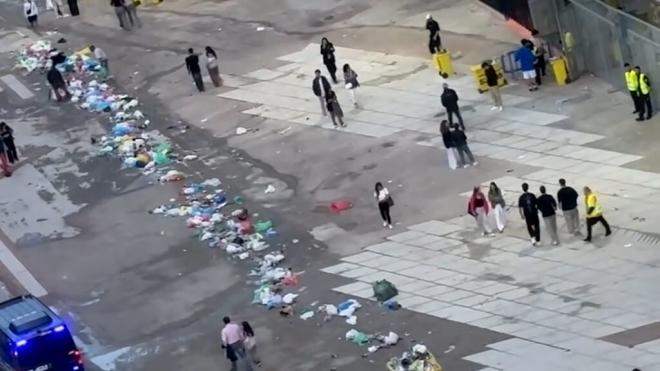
x=263 y=226
x=384 y=290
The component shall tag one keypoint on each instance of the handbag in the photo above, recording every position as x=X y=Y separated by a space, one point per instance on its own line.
x=390 y=201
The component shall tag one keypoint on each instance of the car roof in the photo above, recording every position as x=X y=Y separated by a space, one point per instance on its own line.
x=25 y=316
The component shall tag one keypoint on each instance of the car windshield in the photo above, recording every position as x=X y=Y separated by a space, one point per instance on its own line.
x=46 y=352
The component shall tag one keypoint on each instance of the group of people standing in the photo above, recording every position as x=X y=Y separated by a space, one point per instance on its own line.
x=212 y=67
x=8 y=153
x=127 y=14
x=487 y=210
x=31 y=10
x=240 y=344
x=639 y=85
x=531 y=56
x=323 y=90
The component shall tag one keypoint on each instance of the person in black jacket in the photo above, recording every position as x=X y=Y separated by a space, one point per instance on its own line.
x=449 y=100
x=328 y=53
x=57 y=84
x=459 y=141
x=493 y=86
x=449 y=144
x=192 y=64
x=321 y=88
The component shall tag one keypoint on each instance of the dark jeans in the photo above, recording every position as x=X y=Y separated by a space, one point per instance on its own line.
x=645 y=106
x=435 y=45
x=384 y=208
x=463 y=151
x=332 y=69
x=237 y=354
x=10 y=148
x=533 y=227
x=450 y=116
x=635 y=98
x=540 y=68
x=592 y=221
x=197 y=76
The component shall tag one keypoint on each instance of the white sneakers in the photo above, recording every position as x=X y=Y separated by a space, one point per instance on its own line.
x=384 y=224
x=475 y=163
x=389 y=226
x=500 y=108
x=496 y=108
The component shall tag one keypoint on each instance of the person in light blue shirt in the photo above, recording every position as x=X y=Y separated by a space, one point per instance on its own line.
x=525 y=56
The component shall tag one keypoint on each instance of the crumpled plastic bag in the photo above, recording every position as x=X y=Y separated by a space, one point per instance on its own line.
x=391 y=339
x=275 y=301
x=289 y=298
x=347 y=308
x=357 y=337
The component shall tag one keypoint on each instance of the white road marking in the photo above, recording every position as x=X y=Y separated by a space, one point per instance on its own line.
x=20 y=272
x=17 y=86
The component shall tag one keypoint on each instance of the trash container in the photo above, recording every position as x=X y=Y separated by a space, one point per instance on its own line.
x=442 y=62
x=560 y=70
x=480 y=77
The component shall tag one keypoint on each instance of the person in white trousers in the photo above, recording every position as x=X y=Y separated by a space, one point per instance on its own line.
x=478 y=207
x=497 y=203
x=350 y=78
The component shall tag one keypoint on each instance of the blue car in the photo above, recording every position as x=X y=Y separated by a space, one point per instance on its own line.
x=34 y=338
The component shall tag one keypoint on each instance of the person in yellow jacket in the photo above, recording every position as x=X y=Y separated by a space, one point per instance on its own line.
x=594 y=213
x=644 y=95
x=632 y=83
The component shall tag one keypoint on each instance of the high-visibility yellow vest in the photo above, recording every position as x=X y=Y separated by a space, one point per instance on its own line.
x=632 y=81
x=644 y=87
x=591 y=201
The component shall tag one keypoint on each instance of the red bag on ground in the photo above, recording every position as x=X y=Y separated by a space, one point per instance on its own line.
x=340 y=205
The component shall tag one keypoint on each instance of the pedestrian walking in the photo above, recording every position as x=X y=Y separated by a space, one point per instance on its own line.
x=529 y=212
x=132 y=14
x=57 y=84
x=645 y=106
x=548 y=208
x=567 y=199
x=100 y=56
x=120 y=11
x=493 y=85
x=350 y=78
x=460 y=142
x=4 y=161
x=232 y=340
x=449 y=99
x=594 y=213
x=250 y=343
x=497 y=203
x=31 y=11
x=526 y=58
x=212 y=67
x=321 y=87
x=192 y=64
x=449 y=145
x=632 y=83
x=385 y=203
x=73 y=7
x=328 y=53
x=336 y=113
x=540 y=63
x=7 y=138
x=435 y=43
x=479 y=208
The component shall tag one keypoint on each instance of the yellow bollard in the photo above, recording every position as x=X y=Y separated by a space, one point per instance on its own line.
x=442 y=61
x=560 y=70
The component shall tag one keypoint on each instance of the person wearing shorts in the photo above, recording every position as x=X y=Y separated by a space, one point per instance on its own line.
x=525 y=56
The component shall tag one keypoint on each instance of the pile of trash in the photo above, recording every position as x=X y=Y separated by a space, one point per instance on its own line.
x=377 y=341
x=34 y=56
x=418 y=359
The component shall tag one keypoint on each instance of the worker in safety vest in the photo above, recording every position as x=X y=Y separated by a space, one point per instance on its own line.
x=594 y=213
x=644 y=95
x=632 y=83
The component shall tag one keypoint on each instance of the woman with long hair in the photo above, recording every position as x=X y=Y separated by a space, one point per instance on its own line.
x=449 y=144
x=7 y=138
x=385 y=202
x=250 y=343
x=212 y=67
x=350 y=78
x=328 y=53
x=478 y=207
x=497 y=203
x=336 y=113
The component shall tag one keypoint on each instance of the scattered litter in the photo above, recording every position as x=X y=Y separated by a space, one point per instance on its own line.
x=339 y=206
x=283 y=132
x=348 y=307
x=352 y=320
x=259 y=29
x=628 y=245
x=241 y=130
x=384 y=290
x=190 y=157
x=307 y=315
x=289 y=298
x=213 y=182
x=357 y=337
x=270 y=189
x=392 y=304
x=172 y=176
x=450 y=349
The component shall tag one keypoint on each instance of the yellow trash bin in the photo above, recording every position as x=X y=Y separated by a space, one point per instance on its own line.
x=560 y=70
x=480 y=77
x=442 y=61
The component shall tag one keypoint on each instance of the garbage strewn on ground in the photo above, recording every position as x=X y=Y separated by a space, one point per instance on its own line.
x=375 y=342
x=384 y=290
x=418 y=359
